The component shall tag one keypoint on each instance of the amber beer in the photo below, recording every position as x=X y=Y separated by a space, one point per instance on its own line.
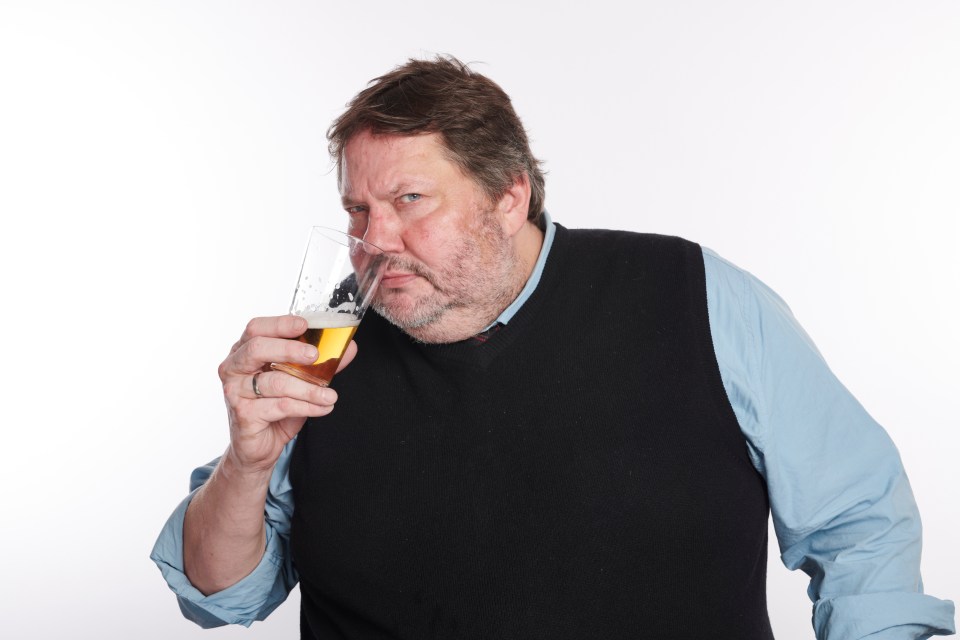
x=338 y=279
x=330 y=333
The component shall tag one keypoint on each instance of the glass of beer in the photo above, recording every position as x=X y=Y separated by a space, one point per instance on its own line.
x=338 y=280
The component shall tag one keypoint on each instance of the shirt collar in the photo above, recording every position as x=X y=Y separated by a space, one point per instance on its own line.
x=534 y=279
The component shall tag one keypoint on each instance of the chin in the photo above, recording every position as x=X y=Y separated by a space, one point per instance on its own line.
x=429 y=327
x=407 y=317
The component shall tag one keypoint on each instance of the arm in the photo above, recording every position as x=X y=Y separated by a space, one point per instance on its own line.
x=224 y=530
x=841 y=503
x=264 y=589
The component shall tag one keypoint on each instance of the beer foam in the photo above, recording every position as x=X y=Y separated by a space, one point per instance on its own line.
x=330 y=320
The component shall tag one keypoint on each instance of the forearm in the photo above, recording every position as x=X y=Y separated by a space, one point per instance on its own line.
x=223 y=530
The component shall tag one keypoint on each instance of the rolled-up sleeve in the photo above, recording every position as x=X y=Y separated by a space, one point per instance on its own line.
x=841 y=503
x=258 y=594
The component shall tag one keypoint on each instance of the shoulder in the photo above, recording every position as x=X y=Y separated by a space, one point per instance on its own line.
x=617 y=238
x=740 y=303
x=606 y=246
x=731 y=284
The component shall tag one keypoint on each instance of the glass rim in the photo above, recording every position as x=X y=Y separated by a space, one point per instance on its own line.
x=344 y=234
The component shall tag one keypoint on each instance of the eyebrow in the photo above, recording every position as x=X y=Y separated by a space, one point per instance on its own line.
x=409 y=184
x=404 y=186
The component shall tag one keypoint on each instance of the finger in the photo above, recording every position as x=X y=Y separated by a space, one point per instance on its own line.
x=258 y=352
x=289 y=326
x=348 y=356
x=291 y=426
x=277 y=384
x=276 y=409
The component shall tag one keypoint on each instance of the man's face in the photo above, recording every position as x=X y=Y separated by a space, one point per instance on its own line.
x=452 y=268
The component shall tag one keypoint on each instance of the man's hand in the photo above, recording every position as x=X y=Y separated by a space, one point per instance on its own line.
x=223 y=529
x=260 y=426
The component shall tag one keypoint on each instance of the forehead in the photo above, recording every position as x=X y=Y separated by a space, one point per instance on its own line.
x=382 y=160
x=389 y=149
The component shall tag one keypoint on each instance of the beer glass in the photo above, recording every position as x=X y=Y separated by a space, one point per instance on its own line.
x=338 y=280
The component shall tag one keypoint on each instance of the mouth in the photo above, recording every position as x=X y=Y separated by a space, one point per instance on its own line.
x=397 y=279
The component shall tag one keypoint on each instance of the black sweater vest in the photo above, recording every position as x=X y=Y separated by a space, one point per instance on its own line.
x=578 y=474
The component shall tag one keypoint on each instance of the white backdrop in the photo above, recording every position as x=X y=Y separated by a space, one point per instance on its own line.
x=161 y=162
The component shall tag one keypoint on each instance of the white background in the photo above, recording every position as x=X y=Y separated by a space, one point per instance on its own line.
x=160 y=164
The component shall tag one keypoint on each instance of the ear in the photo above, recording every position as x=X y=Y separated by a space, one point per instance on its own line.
x=514 y=204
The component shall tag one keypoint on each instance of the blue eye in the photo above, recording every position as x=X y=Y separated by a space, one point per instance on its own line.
x=410 y=197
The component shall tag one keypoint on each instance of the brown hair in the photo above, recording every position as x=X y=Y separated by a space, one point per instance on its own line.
x=471 y=113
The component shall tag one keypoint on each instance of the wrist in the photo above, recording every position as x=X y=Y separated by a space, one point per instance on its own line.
x=234 y=468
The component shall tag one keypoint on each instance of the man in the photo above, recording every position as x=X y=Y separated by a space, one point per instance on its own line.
x=546 y=433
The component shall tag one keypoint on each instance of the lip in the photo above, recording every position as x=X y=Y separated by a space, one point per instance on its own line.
x=397 y=279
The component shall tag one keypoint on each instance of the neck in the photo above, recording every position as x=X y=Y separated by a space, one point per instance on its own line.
x=529 y=242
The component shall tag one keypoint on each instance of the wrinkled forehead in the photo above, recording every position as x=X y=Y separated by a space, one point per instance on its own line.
x=383 y=158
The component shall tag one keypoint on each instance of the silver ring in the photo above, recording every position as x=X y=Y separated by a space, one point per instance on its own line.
x=256 y=387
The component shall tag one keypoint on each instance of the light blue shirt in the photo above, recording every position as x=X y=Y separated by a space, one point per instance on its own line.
x=841 y=504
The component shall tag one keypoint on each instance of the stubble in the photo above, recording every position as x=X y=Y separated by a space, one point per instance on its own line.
x=469 y=292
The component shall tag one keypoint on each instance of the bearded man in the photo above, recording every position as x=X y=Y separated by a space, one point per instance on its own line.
x=547 y=433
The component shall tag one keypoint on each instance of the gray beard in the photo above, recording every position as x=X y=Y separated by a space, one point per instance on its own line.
x=503 y=284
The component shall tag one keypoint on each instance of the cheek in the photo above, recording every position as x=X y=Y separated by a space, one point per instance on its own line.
x=421 y=240
x=436 y=240
x=425 y=237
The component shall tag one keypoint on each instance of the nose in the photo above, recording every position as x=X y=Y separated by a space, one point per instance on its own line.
x=384 y=230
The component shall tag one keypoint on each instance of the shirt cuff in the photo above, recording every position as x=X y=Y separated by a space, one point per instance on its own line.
x=251 y=599
x=883 y=616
